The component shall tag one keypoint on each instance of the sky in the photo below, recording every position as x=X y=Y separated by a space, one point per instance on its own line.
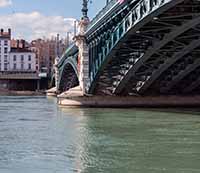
x=32 y=19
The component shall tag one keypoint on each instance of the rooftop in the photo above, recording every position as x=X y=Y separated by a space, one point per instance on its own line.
x=20 y=50
x=5 y=34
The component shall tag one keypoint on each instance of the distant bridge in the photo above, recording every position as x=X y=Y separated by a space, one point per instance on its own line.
x=139 y=47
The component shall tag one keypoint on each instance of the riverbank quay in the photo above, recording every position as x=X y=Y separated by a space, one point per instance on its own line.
x=51 y=92
x=74 y=98
x=21 y=93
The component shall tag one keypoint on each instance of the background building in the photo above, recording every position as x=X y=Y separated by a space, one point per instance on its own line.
x=17 y=64
x=46 y=51
x=15 y=54
x=22 y=59
x=4 y=49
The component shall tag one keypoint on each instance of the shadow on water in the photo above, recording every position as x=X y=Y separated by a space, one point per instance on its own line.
x=92 y=111
x=11 y=99
x=178 y=110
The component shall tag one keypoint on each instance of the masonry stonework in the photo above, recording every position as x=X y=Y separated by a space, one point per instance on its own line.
x=83 y=56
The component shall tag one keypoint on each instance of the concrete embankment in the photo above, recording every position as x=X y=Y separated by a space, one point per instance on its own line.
x=100 y=101
x=74 y=98
x=51 y=92
x=21 y=93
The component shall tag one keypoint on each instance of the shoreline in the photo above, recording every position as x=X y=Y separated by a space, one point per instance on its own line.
x=22 y=93
x=75 y=98
x=130 y=102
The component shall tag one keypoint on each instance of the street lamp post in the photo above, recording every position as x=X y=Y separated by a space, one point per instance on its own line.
x=83 y=56
x=85 y=9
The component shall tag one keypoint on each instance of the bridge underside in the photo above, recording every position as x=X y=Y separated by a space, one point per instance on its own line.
x=162 y=56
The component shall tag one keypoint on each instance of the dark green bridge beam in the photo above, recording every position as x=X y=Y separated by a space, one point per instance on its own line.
x=175 y=32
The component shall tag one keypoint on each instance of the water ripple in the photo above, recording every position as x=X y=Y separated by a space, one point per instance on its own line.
x=37 y=136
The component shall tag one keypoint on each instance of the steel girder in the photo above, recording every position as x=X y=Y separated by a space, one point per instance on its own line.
x=184 y=49
x=181 y=74
x=191 y=87
x=151 y=76
x=52 y=82
x=142 y=13
x=156 y=74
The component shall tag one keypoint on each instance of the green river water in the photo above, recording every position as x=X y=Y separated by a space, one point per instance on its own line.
x=36 y=136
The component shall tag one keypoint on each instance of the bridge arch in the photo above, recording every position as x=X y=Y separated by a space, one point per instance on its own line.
x=139 y=46
x=53 y=81
x=68 y=74
x=163 y=63
x=107 y=64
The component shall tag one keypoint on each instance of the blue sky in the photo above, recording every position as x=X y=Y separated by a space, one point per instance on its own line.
x=67 y=8
x=37 y=18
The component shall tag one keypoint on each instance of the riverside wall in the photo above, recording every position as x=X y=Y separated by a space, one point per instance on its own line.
x=128 y=102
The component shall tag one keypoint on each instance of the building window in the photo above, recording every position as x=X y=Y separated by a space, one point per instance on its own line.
x=5 y=58
x=14 y=66
x=29 y=57
x=22 y=57
x=5 y=50
x=22 y=66
x=29 y=66
x=6 y=43
x=14 y=58
x=5 y=66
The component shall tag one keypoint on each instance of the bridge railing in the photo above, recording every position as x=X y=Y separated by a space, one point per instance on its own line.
x=102 y=13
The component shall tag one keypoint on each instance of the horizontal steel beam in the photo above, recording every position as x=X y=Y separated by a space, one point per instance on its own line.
x=156 y=74
x=181 y=75
x=178 y=30
x=133 y=22
x=195 y=84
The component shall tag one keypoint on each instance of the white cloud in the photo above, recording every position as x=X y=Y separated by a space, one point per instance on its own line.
x=36 y=25
x=4 y=3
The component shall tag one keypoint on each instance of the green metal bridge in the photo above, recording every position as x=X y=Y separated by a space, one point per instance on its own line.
x=138 y=47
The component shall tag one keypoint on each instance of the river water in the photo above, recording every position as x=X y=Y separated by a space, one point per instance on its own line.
x=38 y=137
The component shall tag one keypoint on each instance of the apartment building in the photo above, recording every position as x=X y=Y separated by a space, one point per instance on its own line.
x=46 y=51
x=22 y=59
x=15 y=55
x=4 y=49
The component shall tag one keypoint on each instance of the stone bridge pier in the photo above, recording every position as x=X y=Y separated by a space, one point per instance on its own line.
x=83 y=56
